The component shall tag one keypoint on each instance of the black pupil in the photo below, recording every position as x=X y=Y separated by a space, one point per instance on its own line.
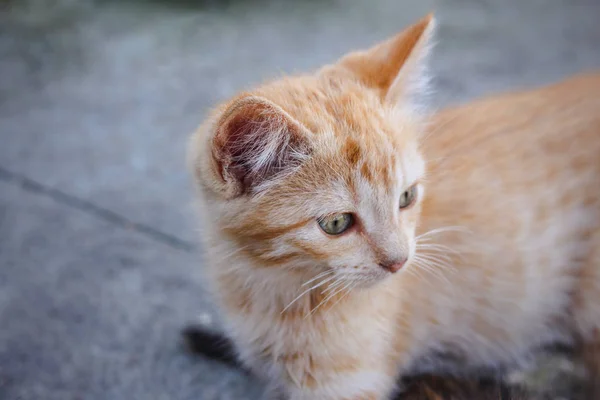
x=337 y=222
x=407 y=197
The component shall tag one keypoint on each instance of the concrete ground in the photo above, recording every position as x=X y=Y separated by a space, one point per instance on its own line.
x=99 y=269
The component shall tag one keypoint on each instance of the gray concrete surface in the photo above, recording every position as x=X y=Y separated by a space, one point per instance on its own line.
x=98 y=263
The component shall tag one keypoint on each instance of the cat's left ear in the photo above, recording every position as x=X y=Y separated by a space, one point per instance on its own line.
x=253 y=142
x=397 y=67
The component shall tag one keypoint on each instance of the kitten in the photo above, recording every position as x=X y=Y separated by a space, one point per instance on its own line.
x=351 y=240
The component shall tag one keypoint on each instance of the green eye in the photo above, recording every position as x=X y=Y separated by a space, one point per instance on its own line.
x=336 y=224
x=408 y=197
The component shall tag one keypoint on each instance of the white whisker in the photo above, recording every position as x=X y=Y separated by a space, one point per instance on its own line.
x=436 y=247
x=345 y=294
x=430 y=267
x=443 y=230
x=440 y=256
x=334 y=285
x=321 y=275
x=417 y=273
x=329 y=297
x=435 y=261
x=306 y=291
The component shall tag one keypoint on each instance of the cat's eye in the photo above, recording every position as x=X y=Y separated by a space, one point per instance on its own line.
x=408 y=197
x=336 y=224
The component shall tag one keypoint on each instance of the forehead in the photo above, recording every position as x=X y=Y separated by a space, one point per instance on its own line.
x=352 y=178
x=361 y=145
x=327 y=105
x=380 y=166
x=322 y=102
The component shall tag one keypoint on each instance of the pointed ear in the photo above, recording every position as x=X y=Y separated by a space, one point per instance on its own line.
x=396 y=68
x=254 y=142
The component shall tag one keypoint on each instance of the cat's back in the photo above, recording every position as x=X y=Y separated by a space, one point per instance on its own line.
x=518 y=174
x=561 y=112
x=533 y=141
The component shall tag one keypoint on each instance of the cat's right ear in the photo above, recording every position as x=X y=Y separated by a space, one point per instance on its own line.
x=397 y=67
x=254 y=142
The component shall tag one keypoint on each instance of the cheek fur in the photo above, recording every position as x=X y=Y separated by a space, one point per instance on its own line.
x=344 y=252
x=348 y=251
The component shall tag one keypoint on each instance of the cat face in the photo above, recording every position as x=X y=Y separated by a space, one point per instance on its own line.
x=322 y=173
x=362 y=212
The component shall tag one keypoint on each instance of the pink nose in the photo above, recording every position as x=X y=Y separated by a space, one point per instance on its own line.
x=393 y=266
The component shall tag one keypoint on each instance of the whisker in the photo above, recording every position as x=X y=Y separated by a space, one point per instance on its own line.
x=440 y=256
x=345 y=294
x=432 y=260
x=326 y=299
x=437 y=247
x=435 y=260
x=440 y=248
x=306 y=291
x=446 y=262
x=417 y=273
x=334 y=285
x=433 y=273
x=321 y=275
x=442 y=230
x=431 y=268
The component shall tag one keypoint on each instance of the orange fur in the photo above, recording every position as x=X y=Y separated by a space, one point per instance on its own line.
x=500 y=239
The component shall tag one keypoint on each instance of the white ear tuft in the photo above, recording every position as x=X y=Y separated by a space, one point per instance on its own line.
x=397 y=67
x=412 y=85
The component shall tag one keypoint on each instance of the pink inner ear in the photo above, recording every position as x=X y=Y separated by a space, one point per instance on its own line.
x=239 y=142
x=255 y=143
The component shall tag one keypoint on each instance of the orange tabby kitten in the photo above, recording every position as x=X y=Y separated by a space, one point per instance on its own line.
x=349 y=241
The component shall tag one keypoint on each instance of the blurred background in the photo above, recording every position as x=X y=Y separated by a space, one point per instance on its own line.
x=99 y=267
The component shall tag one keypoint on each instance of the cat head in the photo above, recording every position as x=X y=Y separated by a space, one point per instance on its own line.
x=322 y=173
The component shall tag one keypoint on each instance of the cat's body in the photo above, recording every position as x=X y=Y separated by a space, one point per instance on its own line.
x=519 y=173
x=349 y=243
